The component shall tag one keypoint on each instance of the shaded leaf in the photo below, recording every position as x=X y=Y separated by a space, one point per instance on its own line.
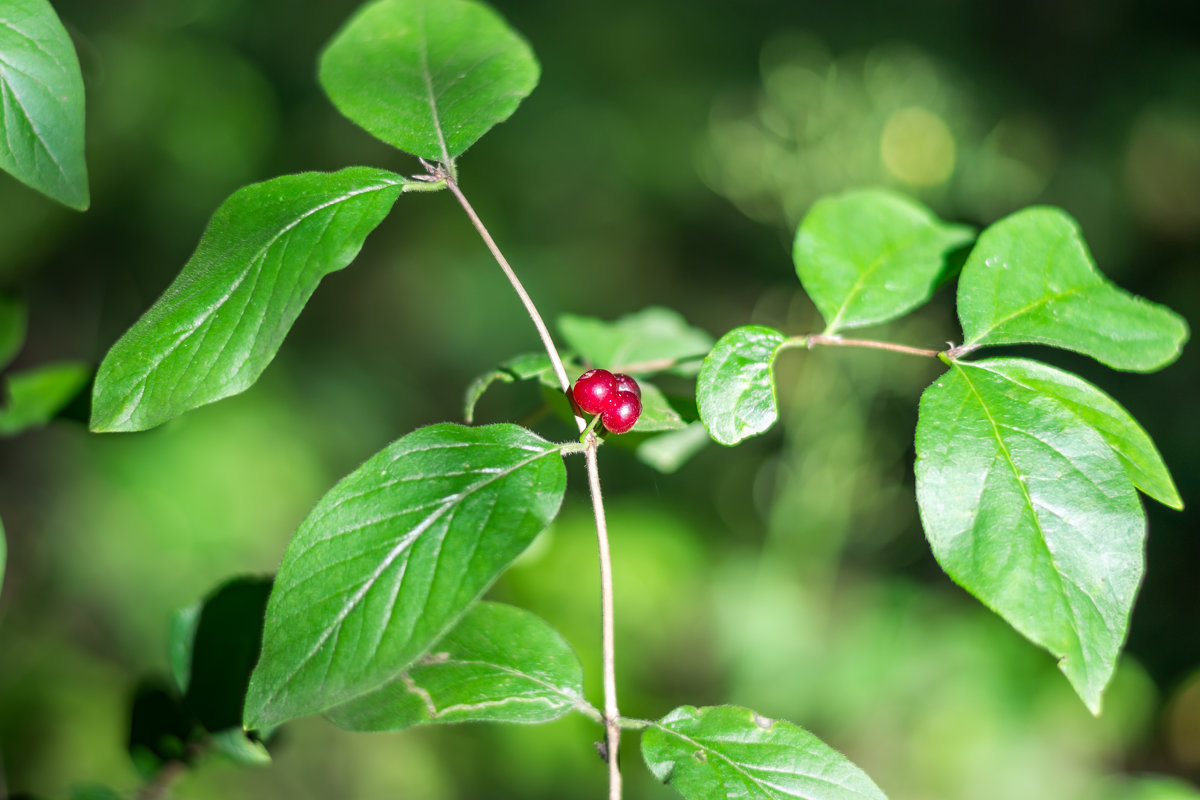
x=393 y=556
x=1028 y=508
x=869 y=256
x=219 y=324
x=41 y=103
x=36 y=395
x=519 y=368
x=669 y=451
x=735 y=390
x=160 y=729
x=498 y=664
x=1031 y=279
x=723 y=752
x=12 y=329
x=428 y=76
x=645 y=342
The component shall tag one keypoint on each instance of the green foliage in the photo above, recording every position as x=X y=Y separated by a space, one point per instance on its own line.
x=518 y=368
x=12 y=329
x=36 y=395
x=1031 y=279
x=428 y=76
x=869 y=256
x=726 y=751
x=645 y=342
x=219 y=324
x=393 y=556
x=498 y=664
x=736 y=386
x=41 y=115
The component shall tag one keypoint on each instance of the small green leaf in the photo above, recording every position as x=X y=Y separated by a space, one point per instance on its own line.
x=736 y=387
x=393 y=556
x=729 y=752
x=499 y=664
x=1028 y=508
x=12 y=329
x=652 y=340
x=657 y=413
x=219 y=324
x=41 y=103
x=669 y=451
x=37 y=394
x=239 y=746
x=519 y=368
x=428 y=76
x=1129 y=441
x=1031 y=279
x=869 y=256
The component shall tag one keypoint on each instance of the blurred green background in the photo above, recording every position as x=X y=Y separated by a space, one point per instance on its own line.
x=665 y=159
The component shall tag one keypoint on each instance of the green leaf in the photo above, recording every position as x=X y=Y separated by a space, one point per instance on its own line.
x=1031 y=279
x=36 y=395
x=730 y=752
x=519 y=368
x=393 y=556
x=12 y=329
x=41 y=103
x=428 y=76
x=651 y=340
x=1028 y=508
x=219 y=324
x=1129 y=441
x=870 y=256
x=669 y=451
x=499 y=664
x=657 y=413
x=736 y=387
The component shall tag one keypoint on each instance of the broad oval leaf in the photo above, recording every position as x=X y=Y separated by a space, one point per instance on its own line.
x=869 y=256
x=654 y=339
x=1128 y=439
x=428 y=76
x=219 y=324
x=736 y=386
x=41 y=103
x=37 y=394
x=1028 y=508
x=393 y=556
x=499 y=664
x=1031 y=279
x=724 y=752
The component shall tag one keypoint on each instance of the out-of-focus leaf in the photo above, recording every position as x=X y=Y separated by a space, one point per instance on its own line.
x=1031 y=279
x=498 y=664
x=657 y=413
x=236 y=744
x=393 y=556
x=41 y=103
x=519 y=368
x=12 y=329
x=36 y=395
x=94 y=791
x=735 y=390
x=160 y=729
x=729 y=752
x=428 y=76
x=219 y=324
x=648 y=341
x=669 y=451
x=869 y=256
x=1028 y=508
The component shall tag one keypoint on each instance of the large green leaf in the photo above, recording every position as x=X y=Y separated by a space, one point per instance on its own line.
x=219 y=324
x=651 y=340
x=428 y=76
x=1028 y=508
x=41 y=103
x=736 y=386
x=35 y=395
x=393 y=556
x=724 y=752
x=499 y=664
x=869 y=256
x=1031 y=279
x=12 y=329
x=1129 y=441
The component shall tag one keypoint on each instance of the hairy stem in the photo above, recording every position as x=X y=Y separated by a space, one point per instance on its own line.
x=812 y=340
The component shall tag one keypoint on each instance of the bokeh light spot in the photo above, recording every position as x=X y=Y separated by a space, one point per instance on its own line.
x=917 y=147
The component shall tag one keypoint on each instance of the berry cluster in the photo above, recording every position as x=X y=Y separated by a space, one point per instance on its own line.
x=616 y=398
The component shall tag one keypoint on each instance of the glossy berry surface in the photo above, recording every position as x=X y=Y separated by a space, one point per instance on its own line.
x=594 y=391
x=627 y=384
x=622 y=413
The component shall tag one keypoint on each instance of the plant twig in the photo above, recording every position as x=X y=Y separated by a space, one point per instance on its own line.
x=815 y=339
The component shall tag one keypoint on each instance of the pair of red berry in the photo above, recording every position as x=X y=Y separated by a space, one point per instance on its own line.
x=616 y=398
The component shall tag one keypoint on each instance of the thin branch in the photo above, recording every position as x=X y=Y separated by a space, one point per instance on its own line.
x=815 y=339
x=656 y=365
x=612 y=716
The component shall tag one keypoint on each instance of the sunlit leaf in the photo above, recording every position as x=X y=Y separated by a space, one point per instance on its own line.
x=393 y=556
x=41 y=103
x=12 y=329
x=1031 y=279
x=724 y=752
x=1028 y=508
x=657 y=413
x=219 y=324
x=36 y=395
x=736 y=386
x=498 y=664
x=651 y=340
x=428 y=76
x=869 y=256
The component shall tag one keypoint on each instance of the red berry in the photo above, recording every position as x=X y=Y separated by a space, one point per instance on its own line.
x=594 y=390
x=622 y=413
x=627 y=384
